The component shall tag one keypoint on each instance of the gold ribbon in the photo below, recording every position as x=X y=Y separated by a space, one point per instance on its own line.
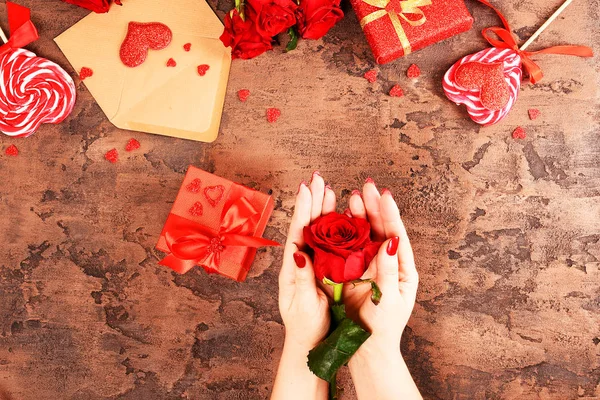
x=407 y=7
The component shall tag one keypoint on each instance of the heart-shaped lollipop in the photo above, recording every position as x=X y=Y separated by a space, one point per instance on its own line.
x=488 y=82
x=142 y=37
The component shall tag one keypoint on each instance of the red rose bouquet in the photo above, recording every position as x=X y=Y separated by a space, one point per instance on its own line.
x=250 y=27
x=343 y=250
x=98 y=6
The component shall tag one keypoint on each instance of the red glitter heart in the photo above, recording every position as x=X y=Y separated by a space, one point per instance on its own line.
x=143 y=37
x=534 y=113
x=396 y=91
x=489 y=79
x=273 y=114
x=11 y=151
x=519 y=133
x=85 y=73
x=196 y=210
x=243 y=95
x=112 y=155
x=202 y=69
x=171 y=63
x=194 y=186
x=187 y=46
x=132 y=145
x=214 y=194
x=413 y=71
x=371 y=76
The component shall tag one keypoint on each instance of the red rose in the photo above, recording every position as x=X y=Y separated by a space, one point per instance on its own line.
x=99 y=6
x=274 y=16
x=342 y=245
x=243 y=37
x=317 y=17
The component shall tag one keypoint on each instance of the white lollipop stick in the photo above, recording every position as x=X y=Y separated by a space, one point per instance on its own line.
x=546 y=24
x=3 y=36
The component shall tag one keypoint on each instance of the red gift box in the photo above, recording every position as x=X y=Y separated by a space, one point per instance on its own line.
x=215 y=224
x=395 y=28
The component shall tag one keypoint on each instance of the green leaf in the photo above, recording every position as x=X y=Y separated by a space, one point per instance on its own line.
x=336 y=350
x=375 y=293
x=293 y=43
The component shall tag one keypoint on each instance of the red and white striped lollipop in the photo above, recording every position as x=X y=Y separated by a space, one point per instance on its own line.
x=487 y=83
x=33 y=91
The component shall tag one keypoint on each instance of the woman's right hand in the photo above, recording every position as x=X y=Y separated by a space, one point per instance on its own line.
x=378 y=369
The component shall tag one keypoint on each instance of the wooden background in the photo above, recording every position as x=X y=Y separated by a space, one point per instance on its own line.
x=507 y=233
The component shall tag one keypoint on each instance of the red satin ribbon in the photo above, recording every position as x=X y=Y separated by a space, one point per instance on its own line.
x=508 y=41
x=191 y=244
x=22 y=30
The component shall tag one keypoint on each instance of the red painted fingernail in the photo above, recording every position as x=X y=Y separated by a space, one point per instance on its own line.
x=303 y=183
x=348 y=212
x=386 y=191
x=392 y=248
x=356 y=193
x=370 y=180
x=299 y=260
x=328 y=187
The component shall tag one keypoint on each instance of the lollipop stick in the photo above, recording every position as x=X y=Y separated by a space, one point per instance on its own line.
x=3 y=36
x=546 y=24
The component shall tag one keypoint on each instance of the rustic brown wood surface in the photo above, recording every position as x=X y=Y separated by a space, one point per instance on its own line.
x=506 y=232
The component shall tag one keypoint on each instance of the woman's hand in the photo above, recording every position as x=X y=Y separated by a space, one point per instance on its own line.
x=304 y=307
x=377 y=368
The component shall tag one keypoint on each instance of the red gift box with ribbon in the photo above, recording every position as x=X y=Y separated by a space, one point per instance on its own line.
x=215 y=224
x=396 y=28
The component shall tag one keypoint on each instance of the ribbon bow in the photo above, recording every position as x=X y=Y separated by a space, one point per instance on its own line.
x=508 y=41
x=190 y=244
x=22 y=30
x=395 y=10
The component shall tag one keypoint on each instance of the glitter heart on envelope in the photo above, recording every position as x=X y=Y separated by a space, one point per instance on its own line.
x=151 y=97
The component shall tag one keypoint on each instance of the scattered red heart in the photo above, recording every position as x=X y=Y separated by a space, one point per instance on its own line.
x=371 y=76
x=396 y=91
x=273 y=114
x=187 y=46
x=413 y=71
x=112 y=155
x=519 y=133
x=11 y=151
x=85 y=73
x=243 y=95
x=132 y=145
x=534 y=113
x=202 y=69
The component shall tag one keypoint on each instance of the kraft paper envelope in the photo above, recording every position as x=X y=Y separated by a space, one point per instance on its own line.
x=154 y=98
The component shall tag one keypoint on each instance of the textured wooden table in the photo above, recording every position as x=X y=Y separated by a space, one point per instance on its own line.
x=507 y=233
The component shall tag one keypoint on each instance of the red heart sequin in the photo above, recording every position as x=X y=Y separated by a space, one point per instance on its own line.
x=273 y=114
x=171 y=63
x=214 y=194
x=11 y=151
x=143 y=37
x=194 y=186
x=396 y=91
x=489 y=79
x=243 y=95
x=187 y=46
x=132 y=145
x=519 y=133
x=534 y=113
x=371 y=76
x=112 y=156
x=202 y=69
x=196 y=210
x=413 y=71
x=85 y=73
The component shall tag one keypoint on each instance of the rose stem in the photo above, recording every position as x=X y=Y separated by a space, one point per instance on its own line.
x=337 y=292
x=546 y=24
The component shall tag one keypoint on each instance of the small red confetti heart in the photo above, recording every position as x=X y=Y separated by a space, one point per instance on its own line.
x=194 y=186
x=519 y=133
x=413 y=71
x=11 y=151
x=243 y=94
x=202 y=69
x=489 y=79
x=396 y=91
x=187 y=46
x=112 y=155
x=132 y=145
x=371 y=76
x=85 y=73
x=171 y=63
x=196 y=210
x=534 y=113
x=273 y=114
x=214 y=194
